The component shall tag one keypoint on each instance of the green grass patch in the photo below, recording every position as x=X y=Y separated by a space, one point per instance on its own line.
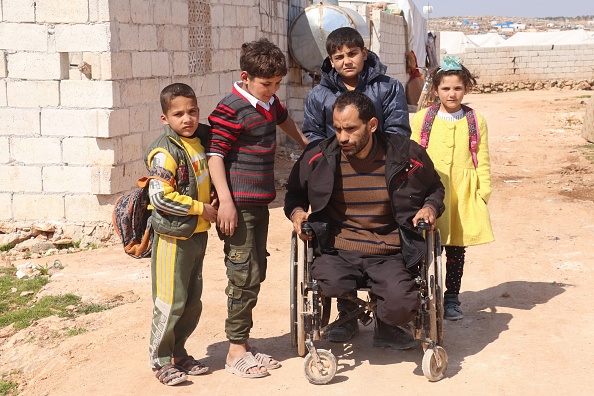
x=8 y=388
x=24 y=310
x=76 y=331
x=7 y=247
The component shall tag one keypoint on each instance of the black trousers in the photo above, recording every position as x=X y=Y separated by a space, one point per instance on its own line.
x=386 y=276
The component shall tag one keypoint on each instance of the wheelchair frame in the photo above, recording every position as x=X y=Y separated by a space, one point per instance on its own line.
x=310 y=311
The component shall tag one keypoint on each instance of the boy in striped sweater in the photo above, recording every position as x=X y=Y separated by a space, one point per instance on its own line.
x=241 y=157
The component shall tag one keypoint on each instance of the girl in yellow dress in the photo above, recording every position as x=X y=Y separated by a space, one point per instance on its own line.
x=456 y=139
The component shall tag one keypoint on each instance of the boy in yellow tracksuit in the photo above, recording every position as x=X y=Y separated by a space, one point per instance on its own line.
x=181 y=215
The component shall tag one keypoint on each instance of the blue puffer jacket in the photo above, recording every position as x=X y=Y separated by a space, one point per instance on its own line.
x=386 y=93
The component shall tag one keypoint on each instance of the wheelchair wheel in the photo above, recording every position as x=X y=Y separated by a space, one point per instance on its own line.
x=294 y=290
x=301 y=297
x=435 y=363
x=324 y=372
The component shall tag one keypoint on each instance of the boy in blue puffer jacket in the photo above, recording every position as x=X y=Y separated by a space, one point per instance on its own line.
x=350 y=66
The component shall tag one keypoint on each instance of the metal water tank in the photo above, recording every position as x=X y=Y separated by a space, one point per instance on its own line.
x=309 y=30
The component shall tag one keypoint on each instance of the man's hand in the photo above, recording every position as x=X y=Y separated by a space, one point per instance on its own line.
x=427 y=214
x=299 y=217
x=227 y=217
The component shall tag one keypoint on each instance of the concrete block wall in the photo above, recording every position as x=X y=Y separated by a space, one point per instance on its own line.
x=389 y=42
x=79 y=86
x=530 y=63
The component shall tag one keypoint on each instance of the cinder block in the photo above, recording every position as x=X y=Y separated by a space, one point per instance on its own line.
x=118 y=123
x=160 y=64
x=52 y=11
x=162 y=13
x=6 y=205
x=132 y=149
x=139 y=119
x=120 y=10
x=141 y=64
x=2 y=64
x=73 y=179
x=169 y=38
x=4 y=150
x=115 y=179
x=179 y=12
x=101 y=123
x=90 y=151
x=34 y=65
x=120 y=66
x=36 y=150
x=230 y=15
x=99 y=10
x=38 y=207
x=217 y=15
x=150 y=90
x=87 y=207
x=32 y=93
x=147 y=38
x=128 y=37
x=89 y=38
x=141 y=11
x=19 y=178
x=130 y=93
x=91 y=94
x=18 y=11
x=181 y=64
x=3 y=95
x=23 y=122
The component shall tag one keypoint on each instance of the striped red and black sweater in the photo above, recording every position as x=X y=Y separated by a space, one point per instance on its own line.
x=245 y=136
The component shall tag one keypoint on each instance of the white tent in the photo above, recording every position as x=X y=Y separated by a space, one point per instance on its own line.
x=454 y=42
x=548 y=38
x=486 y=40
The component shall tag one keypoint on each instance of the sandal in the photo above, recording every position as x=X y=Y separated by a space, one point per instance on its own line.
x=191 y=366
x=170 y=374
x=242 y=364
x=264 y=359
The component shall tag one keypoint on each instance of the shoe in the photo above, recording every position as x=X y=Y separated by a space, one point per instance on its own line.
x=451 y=308
x=386 y=336
x=344 y=332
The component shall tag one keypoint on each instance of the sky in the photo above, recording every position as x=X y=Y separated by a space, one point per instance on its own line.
x=511 y=8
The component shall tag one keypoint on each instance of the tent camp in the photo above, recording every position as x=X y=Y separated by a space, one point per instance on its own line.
x=454 y=42
x=564 y=37
x=486 y=40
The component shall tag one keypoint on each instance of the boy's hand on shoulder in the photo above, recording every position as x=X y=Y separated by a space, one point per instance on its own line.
x=210 y=213
x=227 y=217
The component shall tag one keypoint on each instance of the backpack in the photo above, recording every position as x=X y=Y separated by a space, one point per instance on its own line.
x=473 y=130
x=132 y=219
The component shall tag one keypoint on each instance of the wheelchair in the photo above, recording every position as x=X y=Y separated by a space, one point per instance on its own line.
x=310 y=310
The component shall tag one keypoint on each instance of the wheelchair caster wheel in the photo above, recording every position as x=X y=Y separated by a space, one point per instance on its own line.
x=435 y=363
x=323 y=373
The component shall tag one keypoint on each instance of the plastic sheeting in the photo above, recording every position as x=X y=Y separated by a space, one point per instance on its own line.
x=579 y=36
x=415 y=22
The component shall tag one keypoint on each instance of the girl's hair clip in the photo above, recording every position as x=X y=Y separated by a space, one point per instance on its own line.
x=450 y=62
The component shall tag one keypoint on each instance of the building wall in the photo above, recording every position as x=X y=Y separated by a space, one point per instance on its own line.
x=388 y=40
x=530 y=63
x=79 y=86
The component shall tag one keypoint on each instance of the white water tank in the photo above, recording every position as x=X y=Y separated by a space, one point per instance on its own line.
x=309 y=30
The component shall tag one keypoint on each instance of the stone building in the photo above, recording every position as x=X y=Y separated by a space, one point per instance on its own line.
x=79 y=86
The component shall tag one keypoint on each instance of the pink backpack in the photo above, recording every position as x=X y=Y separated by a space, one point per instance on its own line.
x=473 y=130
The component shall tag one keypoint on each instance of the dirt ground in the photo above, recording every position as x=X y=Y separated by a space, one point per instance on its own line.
x=527 y=297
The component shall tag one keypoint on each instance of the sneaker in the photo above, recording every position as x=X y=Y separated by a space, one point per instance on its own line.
x=451 y=308
x=344 y=332
x=386 y=336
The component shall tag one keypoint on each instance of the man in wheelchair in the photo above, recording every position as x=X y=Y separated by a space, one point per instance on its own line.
x=365 y=192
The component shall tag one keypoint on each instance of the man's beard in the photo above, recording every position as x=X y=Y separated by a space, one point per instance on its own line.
x=357 y=148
